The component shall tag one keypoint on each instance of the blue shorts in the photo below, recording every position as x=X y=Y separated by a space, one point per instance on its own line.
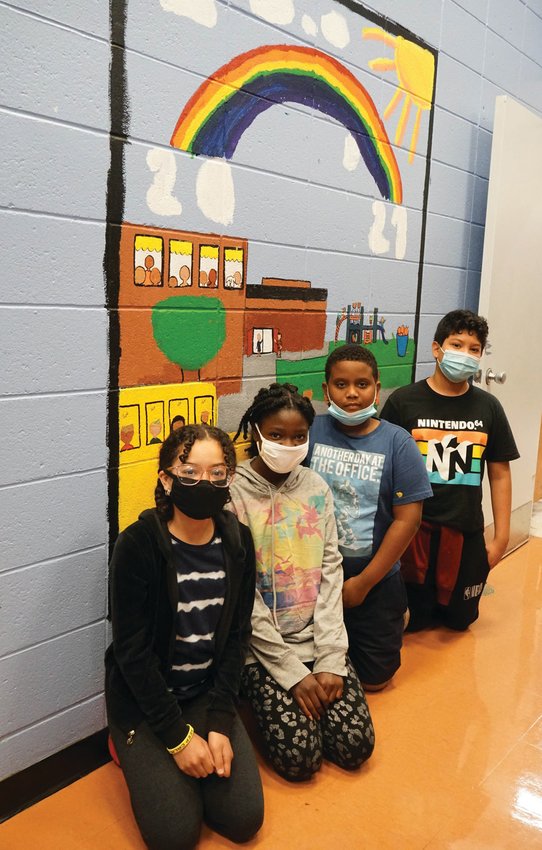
x=375 y=631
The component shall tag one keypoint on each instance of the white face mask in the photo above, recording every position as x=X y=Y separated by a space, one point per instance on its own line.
x=279 y=458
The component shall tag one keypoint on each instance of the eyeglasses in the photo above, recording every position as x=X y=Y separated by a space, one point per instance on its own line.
x=190 y=473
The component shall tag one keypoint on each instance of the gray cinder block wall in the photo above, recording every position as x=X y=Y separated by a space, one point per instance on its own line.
x=54 y=160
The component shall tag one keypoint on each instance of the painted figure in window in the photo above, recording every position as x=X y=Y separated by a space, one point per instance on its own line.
x=126 y=437
x=148 y=276
x=177 y=422
x=184 y=277
x=155 y=427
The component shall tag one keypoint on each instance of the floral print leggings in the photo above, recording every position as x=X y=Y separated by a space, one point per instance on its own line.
x=294 y=744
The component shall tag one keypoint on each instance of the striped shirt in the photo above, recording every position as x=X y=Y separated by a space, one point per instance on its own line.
x=202 y=584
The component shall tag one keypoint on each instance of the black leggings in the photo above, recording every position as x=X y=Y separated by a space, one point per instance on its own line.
x=296 y=745
x=169 y=806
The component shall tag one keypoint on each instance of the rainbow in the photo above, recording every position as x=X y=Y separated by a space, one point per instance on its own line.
x=226 y=104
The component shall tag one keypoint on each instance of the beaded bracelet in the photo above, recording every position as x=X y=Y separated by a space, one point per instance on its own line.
x=183 y=744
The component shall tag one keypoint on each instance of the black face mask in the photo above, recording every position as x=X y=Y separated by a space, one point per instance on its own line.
x=199 y=501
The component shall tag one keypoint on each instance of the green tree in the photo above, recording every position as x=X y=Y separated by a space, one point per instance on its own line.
x=189 y=329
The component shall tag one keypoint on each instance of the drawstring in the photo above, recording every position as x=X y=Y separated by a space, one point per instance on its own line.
x=275 y=620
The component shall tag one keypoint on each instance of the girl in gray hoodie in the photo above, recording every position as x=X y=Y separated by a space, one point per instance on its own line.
x=306 y=697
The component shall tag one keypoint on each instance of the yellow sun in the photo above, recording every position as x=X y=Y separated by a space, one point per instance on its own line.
x=415 y=68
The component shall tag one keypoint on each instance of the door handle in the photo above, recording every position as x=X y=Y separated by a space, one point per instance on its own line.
x=498 y=377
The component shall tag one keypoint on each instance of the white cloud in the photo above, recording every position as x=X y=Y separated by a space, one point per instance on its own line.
x=160 y=198
x=309 y=25
x=335 y=29
x=274 y=11
x=377 y=241
x=215 y=191
x=351 y=154
x=201 y=11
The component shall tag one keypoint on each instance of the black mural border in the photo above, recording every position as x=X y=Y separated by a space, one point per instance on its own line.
x=115 y=198
x=397 y=29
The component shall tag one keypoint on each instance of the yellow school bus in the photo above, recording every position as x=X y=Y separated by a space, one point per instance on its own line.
x=145 y=416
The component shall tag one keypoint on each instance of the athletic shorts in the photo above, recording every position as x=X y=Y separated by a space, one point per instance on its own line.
x=375 y=631
x=462 y=609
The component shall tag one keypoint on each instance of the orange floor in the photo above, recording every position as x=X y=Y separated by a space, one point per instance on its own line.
x=457 y=764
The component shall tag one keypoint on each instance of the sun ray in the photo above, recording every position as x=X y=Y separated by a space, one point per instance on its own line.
x=383 y=64
x=401 y=124
x=415 y=133
x=394 y=103
x=377 y=34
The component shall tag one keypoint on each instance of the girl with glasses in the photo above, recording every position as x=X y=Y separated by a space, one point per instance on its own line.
x=181 y=596
x=306 y=697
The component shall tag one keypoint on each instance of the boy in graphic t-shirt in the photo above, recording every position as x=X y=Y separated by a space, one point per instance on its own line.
x=378 y=482
x=459 y=430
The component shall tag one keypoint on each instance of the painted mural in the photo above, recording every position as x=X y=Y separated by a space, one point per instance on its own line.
x=276 y=210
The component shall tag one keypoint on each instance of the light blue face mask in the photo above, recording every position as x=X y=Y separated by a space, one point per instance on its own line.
x=355 y=418
x=456 y=366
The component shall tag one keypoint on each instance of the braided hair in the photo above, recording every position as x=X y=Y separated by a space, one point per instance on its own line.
x=183 y=439
x=269 y=400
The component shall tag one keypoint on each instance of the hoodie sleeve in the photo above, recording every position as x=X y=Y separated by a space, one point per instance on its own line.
x=330 y=638
x=270 y=649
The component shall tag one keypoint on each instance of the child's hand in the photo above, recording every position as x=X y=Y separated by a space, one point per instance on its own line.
x=196 y=759
x=495 y=550
x=332 y=685
x=354 y=591
x=221 y=752
x=310 y=696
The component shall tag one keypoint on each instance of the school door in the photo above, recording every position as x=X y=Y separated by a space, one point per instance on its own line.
x=511 y=295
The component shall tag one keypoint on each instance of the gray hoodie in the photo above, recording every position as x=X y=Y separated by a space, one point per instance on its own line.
x=298 y=612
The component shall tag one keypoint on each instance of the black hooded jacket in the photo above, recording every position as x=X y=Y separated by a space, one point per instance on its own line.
x=143 y=602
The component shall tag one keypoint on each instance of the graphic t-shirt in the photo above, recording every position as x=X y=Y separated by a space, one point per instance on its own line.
x=456 y=436
x=201 y=580
x=368 y=476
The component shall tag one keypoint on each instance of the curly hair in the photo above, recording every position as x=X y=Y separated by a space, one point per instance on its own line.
x=184 y=438
x=269 y=400
x=458 y=321
x=351 y=351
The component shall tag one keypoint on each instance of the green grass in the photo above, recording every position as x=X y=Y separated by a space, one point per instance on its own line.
x=308 y=373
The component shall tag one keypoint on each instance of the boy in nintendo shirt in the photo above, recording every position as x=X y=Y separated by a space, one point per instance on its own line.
x=460 y=430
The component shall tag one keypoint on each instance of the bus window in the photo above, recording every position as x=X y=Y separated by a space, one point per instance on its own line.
x=154 y=414
x=204 y=410
x=178 y=407
x=129 y=427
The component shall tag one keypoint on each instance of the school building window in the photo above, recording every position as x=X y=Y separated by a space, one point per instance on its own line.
x=148 y=260
x=208 y=266
x=233 y=268
x=180 y=262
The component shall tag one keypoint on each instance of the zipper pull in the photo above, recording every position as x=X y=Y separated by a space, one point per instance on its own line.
x=130 y=738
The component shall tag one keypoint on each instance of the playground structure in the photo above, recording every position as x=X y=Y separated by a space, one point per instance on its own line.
x=356 y=330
